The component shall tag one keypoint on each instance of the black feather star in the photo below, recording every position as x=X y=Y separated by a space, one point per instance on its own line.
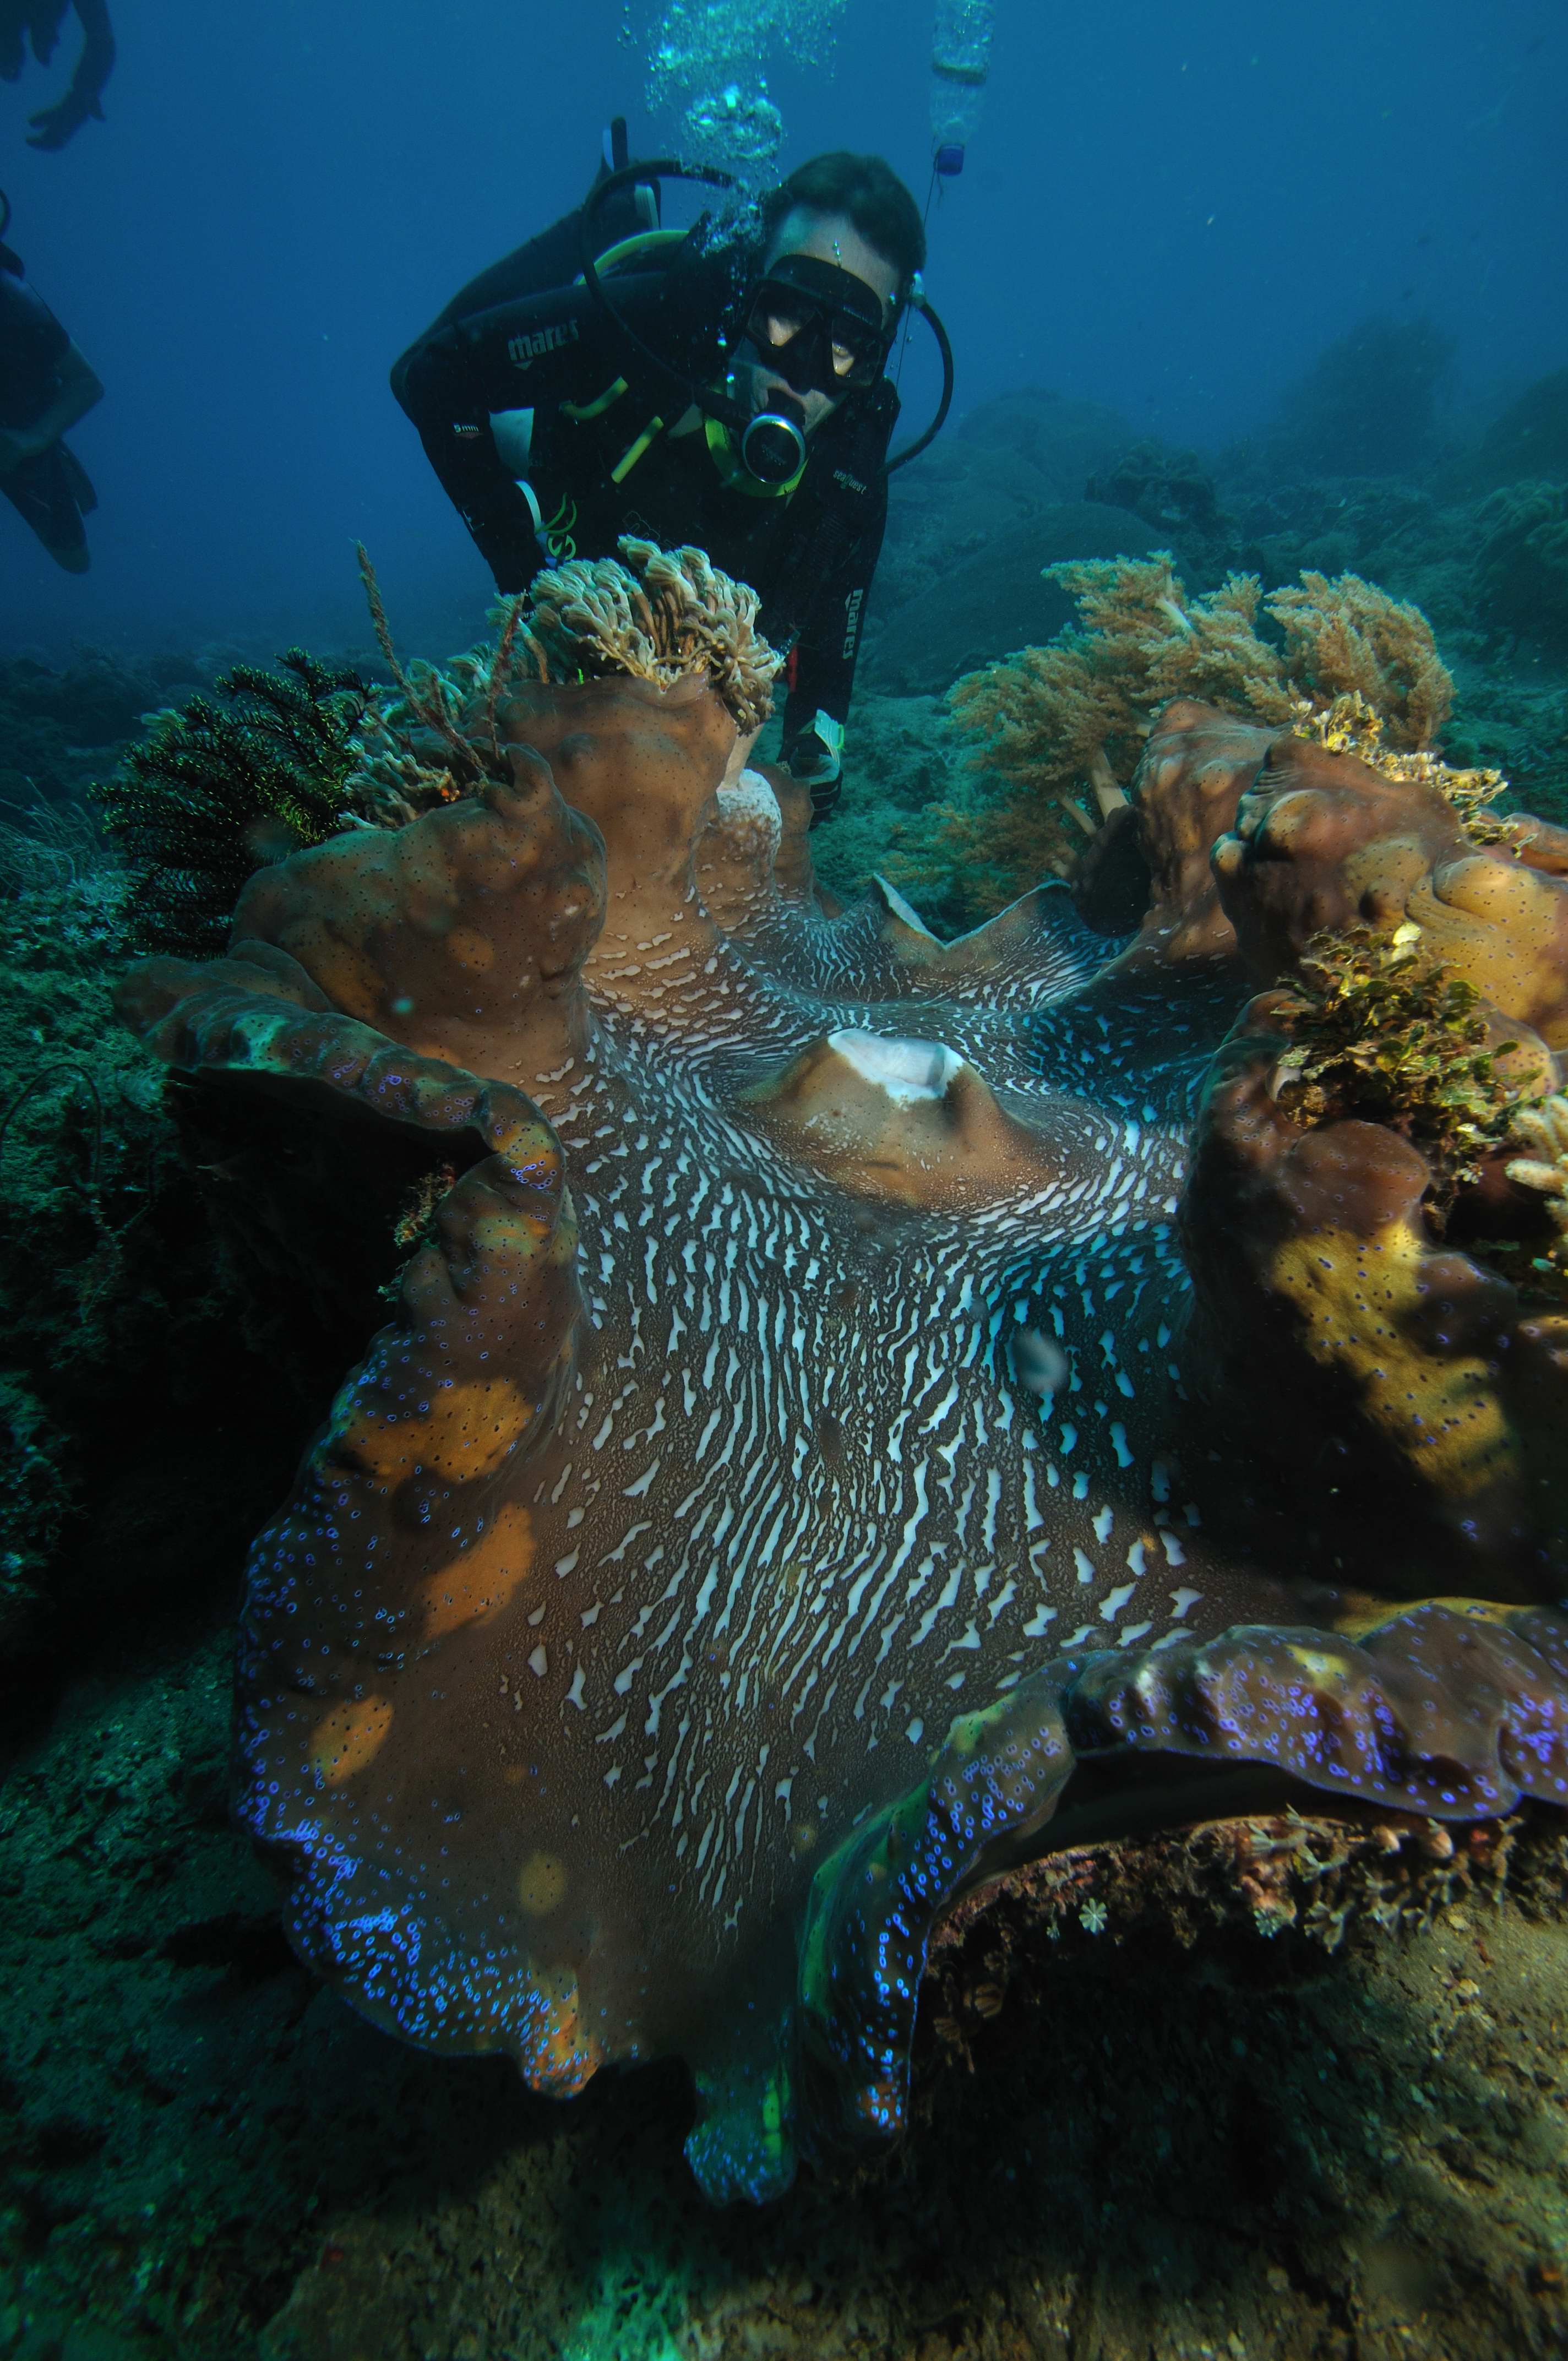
x=217 y=790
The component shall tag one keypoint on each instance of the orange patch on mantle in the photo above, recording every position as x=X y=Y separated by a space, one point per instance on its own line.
x=483 y=1579
x=348 y=1737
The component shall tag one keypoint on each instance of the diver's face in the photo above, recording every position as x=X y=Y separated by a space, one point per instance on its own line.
x=830 y=237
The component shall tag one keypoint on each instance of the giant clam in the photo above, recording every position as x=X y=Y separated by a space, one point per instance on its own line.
x=801 y=1475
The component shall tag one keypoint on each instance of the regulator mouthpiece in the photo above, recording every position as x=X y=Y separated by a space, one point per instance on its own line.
x=773 y=446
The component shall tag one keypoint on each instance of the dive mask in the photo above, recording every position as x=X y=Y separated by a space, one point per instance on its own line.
x=819 y=325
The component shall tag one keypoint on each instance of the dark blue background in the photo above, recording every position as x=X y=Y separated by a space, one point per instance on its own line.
x=1172 y=209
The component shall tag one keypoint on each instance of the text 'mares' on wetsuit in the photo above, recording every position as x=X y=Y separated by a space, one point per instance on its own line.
x=531 y=412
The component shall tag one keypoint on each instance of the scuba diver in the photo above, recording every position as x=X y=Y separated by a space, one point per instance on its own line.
x=728 y=392
x=37 y=23
x=45 y=387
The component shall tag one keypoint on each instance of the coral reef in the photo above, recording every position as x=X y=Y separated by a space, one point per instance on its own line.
x=1004 y=594
x=1521 y=564
x=901 y=757
x=37 y=1505
x=1000 y=468
x=1528 y=443
x=1170 y=490
x=123 y=1360
x=55 y=724
x=1176 y=495
x=795 y=1361
x=1369 y=404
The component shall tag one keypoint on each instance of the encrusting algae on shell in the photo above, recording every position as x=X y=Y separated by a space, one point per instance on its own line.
x=1380 y=1028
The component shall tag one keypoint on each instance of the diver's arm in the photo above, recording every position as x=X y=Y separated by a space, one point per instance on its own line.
x=540 y=349
x=817 y=705
x=57 y=123
x=79 y=390
x=457 y=377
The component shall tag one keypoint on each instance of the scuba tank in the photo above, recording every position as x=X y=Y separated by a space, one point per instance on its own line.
x=629 y=217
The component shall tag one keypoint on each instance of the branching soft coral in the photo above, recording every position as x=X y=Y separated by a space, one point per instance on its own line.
x=1058 y=722
x=1060 y=727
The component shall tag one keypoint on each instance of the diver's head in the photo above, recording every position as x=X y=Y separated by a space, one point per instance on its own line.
x=844 y=241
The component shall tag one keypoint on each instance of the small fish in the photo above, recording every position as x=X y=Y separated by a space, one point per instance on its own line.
x=1038 y=1363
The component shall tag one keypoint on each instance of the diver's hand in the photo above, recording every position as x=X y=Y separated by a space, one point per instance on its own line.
x=16 y=446
x=55 y=124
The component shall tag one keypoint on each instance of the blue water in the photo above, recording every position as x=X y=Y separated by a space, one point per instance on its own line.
x=1170 y=209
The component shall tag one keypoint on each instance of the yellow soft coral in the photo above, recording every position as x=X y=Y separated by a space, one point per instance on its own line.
x=1059 y=727
x=1347 y=635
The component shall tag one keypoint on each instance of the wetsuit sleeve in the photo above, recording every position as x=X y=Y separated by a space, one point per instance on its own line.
x=57 y=123
x=516 y=357
x=823 y=672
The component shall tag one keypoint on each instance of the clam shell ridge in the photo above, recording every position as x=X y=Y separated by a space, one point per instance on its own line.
x=764 y=1505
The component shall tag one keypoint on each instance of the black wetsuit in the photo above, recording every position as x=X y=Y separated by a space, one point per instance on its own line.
x=52 y=491
x=36 y=24
x=589 y=456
